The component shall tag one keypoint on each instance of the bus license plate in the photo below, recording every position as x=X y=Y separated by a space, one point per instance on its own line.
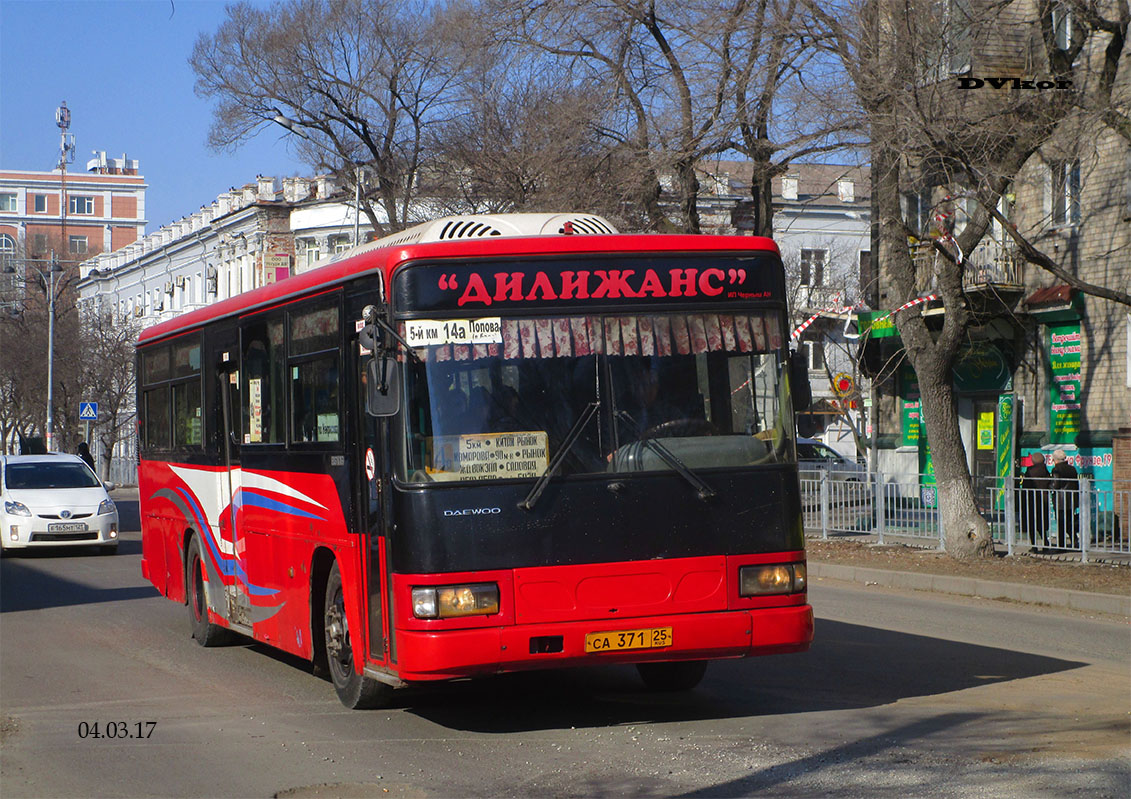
x=653 y=638
x=66 y=527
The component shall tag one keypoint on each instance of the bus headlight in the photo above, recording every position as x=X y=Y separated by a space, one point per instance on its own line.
x=770 y=579
x=453 y=601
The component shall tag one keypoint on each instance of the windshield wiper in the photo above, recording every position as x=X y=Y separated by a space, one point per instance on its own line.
x=703 y=490
x=570 y=439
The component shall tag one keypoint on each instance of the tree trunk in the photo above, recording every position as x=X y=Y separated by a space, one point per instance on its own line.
x=762 y=201
x=965 y=533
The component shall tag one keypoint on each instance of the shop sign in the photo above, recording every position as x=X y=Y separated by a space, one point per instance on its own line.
x=879 y=324
x=1005 y=404
x=982 y=367
x=1064 y=386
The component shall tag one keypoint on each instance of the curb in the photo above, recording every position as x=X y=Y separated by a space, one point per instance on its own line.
x=969 y=586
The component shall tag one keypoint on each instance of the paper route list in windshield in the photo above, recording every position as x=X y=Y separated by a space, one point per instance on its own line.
x=489 y=456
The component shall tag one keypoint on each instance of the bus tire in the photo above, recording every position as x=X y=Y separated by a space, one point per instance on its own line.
x=678 y=675
x=356 y=691
x=205 y=632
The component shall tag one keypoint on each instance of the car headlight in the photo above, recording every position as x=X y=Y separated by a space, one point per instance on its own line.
x=453 y=601
x=770 y=579
x=106 y=506
x=16 y=508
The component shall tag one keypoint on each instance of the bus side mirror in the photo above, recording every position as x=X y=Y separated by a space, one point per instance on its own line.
x=799 y=386
x=382 y=386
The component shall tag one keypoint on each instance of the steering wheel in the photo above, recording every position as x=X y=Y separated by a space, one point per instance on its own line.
x=681 y=427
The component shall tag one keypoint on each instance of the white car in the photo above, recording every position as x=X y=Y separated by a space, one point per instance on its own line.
x=54 y=501
x=815 y=457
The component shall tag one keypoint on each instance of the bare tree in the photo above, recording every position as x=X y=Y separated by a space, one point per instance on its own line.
x=108 y=376
x=929 y=135
x=24 y=348
x=789 y=102
x=670 y=67
x=528 y=141
x=360 y=81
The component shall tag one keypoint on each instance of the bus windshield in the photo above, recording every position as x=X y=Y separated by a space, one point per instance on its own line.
x=710 y=389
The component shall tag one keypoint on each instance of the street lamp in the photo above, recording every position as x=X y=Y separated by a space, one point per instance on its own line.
x=49 y=280
x=286 y=122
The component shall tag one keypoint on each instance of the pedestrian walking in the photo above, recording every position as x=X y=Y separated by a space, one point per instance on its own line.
x=1065 y=487
x=1034 y=500
x=84 y=453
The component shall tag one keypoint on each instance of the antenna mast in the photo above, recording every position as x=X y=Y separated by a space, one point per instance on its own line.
x=66 y=156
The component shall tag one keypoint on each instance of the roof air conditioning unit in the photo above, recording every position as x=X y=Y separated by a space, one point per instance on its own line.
x=180 y=282
x=159 y=305
x=139 y=311
x=168 y=286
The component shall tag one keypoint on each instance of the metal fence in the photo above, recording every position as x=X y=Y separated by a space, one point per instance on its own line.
x=1095 y=518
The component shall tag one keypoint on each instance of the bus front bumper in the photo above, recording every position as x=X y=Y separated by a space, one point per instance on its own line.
x=698 y=636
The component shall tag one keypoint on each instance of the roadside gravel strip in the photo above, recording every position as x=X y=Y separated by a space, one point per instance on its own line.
x=1113 y=604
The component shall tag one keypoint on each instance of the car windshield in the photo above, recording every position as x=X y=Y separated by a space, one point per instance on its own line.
x=48 y=475
x=711 y=386
x=816 y=452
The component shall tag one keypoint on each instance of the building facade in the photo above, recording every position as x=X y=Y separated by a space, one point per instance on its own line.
x=73 y=215
x=248 y=237
x=822 y=224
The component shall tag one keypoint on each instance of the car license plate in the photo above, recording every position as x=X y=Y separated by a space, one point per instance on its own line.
x=66 y=527
x=653 y=638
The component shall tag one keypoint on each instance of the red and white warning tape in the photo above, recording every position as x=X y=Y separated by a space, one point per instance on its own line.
x=834 y=309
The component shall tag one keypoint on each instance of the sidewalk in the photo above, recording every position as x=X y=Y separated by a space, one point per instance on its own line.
x=974 y=587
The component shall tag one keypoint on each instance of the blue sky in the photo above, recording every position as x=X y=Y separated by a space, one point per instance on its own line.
x=122 y=66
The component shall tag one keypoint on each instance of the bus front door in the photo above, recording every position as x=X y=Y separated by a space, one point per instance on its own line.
x=238 y=602
x=372 y=494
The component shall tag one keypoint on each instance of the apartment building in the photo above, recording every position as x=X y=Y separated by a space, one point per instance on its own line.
x=1053 y=358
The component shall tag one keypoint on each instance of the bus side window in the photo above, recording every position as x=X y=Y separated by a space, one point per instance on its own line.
x=314 y=400
x=313 y=362
x=157 y=426
x=262 y=383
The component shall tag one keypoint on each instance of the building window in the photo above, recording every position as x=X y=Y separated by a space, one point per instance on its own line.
x=339 y=244
x=8 y=202
x=39 y=244
x=81 y=205
x=813 y=267
x=917 y=209
x=40 y=203
x=814 y=354
x=1066 y=193
x=312 y=252
x=78 y=245
x=1063 y=26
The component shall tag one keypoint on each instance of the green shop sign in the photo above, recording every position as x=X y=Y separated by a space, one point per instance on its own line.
x=877 y=324
x=1064 y=384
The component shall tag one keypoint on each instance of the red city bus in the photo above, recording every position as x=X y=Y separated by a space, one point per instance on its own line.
x=485 y=444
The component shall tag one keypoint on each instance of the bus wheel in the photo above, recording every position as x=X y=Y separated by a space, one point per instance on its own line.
x=356 y=691
x=205 y=632
x=680 y=675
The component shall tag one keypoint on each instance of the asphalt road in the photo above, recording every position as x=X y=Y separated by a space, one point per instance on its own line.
x=901 y=695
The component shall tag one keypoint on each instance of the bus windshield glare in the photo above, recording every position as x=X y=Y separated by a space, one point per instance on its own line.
x=709 y=388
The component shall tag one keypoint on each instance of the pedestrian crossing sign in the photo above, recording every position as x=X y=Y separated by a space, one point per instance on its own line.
x=88 y=411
